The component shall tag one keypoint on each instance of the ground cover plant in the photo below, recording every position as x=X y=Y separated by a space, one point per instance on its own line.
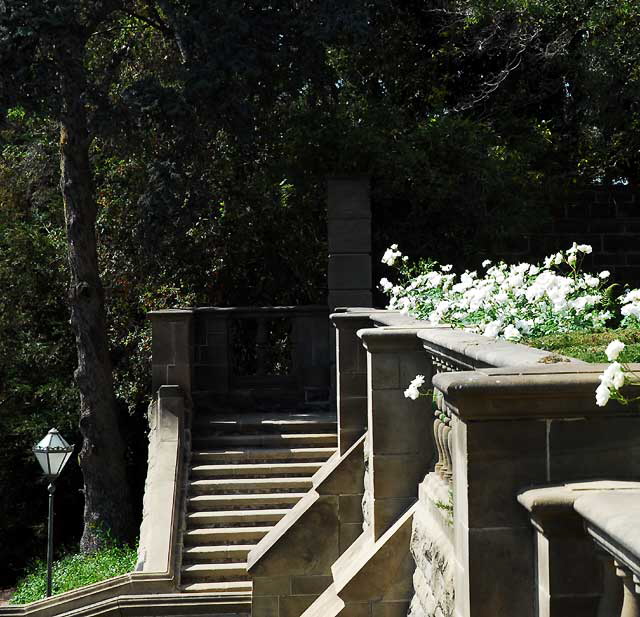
x=552 y=305
x=73 y=571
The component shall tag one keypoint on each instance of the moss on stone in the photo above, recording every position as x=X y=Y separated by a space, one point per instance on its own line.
x=590 y=346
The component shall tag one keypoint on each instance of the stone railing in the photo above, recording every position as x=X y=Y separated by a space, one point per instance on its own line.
x=222 y=350
x=443 y=533
x=612 y=520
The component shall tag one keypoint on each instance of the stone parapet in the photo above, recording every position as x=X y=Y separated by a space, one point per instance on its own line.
x=163 y=495
x=512 y=428
x=569 y=571
x=291 y=566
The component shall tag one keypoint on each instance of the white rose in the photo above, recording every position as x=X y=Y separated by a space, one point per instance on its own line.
x=613 y=350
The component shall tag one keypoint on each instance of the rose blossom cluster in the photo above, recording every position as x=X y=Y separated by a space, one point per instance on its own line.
x=505 y=301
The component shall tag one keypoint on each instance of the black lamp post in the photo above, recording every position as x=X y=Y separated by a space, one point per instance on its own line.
x=52 y=453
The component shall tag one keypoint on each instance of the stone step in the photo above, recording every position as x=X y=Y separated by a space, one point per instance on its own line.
x=204 y=572
x=270 y=440
x=255 y=470
x=238 y=588
x=225 y=535
x=246 y=501
x=216 y=554
x=223 y=604
x=250 y=455
x=248 y=485
x=229 y=518
x=268 y=422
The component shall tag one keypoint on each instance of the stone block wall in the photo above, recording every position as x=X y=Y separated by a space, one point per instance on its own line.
x=606 y=218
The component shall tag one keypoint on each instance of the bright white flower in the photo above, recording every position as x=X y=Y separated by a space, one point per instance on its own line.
x=511 y=333
x=591 y=281
x=603 y=394
x=405 y=258
x=492 y=329
x=605 y=274
x=613 y=350
x=446 y=268
x=413 y=391
x=584 y=248
x=486 y=263
x=571 y=259
x=524 y=325
x=613 y=377
x=386 y=284
x=557 y=260
x=390 y=255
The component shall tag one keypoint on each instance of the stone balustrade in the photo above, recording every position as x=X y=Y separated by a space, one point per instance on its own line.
x=442 y=474
x=282 y=349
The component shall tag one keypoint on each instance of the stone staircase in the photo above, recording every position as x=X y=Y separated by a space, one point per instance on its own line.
x=246 y=471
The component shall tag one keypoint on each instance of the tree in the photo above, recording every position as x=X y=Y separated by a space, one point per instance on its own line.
x=42 y=51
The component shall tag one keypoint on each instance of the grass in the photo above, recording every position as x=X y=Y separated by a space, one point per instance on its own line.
x=73 y=571
x=590 y=346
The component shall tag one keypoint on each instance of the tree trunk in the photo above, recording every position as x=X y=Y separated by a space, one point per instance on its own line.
x=107 y=503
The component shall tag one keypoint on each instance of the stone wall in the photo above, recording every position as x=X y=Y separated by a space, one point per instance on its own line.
x=607 y=219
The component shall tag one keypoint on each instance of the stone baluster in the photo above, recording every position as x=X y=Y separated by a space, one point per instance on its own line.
x=437 y=425
x=443 y=439
x=447 y=443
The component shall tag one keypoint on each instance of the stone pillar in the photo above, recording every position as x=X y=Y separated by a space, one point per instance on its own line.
x=172 y=349
x=567 y=569
x=400 y=440
x=349 y=222
x=351 y=377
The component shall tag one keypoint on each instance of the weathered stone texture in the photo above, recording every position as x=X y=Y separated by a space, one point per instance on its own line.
x=433 y=577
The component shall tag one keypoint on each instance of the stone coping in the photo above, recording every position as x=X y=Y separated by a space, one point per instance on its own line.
x=613 y=519
x=465 y=349
x=558 y=497
x=133 y=583
x=476 y=351
x=539 y=391
x=303 y=308
x=389 y=339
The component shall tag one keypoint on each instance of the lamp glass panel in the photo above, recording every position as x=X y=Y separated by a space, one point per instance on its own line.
x=42 y=458
x=57 y=461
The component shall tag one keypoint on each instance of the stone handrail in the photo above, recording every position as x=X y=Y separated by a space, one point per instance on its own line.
x=613 y=522
x=159 y=530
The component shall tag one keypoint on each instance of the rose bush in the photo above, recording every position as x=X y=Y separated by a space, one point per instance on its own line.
x=516 y=301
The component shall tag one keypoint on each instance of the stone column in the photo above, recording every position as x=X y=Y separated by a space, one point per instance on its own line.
x=567 y=569
x=351 y=377
x=172 y=349
x=349 y=222
x=400 y=440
